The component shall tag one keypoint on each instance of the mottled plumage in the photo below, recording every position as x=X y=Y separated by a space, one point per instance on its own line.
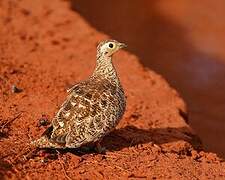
x=93 y=107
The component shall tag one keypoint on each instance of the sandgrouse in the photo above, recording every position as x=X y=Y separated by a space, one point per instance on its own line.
x=92 y=108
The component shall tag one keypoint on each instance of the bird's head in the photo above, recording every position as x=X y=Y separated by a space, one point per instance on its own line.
x=108 y=47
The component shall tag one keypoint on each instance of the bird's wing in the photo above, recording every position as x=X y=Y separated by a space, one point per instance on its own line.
x=80 y=117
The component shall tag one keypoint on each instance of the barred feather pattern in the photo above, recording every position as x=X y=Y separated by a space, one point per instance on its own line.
x=91 y=110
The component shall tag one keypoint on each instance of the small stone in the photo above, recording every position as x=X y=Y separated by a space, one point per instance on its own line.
x=16 y=89
x=195 y=155
x=43 y=121
x=45 y=160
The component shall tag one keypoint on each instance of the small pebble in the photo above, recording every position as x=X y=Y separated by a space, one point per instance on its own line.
x=45 y=160
x=43 y=121
x=16 y=89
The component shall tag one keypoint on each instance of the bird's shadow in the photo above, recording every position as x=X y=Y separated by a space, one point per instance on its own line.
x=131 y=136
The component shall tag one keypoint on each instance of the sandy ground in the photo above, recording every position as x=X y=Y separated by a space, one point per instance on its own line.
x=44 y=49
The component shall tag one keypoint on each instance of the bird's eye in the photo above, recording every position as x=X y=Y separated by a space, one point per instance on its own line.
x=110 y=45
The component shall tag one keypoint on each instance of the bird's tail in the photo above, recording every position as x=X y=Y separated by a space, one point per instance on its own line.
x=42 y=142
x=45 y=140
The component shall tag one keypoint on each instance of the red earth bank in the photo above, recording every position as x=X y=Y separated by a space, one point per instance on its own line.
x=45 y=48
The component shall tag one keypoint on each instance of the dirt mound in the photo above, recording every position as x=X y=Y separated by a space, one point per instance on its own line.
x=44 y=49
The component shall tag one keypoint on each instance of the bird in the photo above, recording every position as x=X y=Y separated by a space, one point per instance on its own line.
x=92 y=108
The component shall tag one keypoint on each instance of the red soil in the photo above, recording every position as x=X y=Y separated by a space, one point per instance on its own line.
x=45 y=48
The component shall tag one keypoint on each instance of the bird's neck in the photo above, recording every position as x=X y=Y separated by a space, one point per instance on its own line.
x=105 y=68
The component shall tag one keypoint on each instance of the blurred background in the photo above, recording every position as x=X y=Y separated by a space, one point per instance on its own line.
x=183 y=40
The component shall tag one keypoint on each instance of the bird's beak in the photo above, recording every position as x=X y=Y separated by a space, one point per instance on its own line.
x=122 y=45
